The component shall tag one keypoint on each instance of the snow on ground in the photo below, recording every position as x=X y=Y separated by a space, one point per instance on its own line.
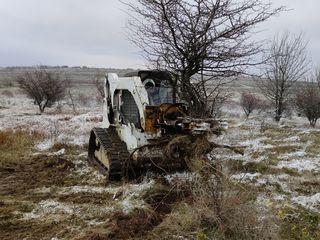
x=256 y=144
x=284 y=150
x=245 y=176
x=45 y=145
x=311 y=202
x=20 y=113
x=86 y=189
x=125 y=198
x=301 y=165
x=49 y=207
x=65 y=127
x=297 y=154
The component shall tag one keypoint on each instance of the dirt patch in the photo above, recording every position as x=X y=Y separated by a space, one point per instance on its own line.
x=162 y=198
x=34 y=202
x=41 y=170
x=136 y=224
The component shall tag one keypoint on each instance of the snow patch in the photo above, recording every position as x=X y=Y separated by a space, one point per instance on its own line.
x=128 y=205
x=292 y=139
x=184 y=176
x=46 y=207
x=45 y=145
x=245 y=176
x=60 y=152
x=293 y=155
x=42 y=190
x=87 y=189
x=301 y=165
x=256 y=144
x=310 y=202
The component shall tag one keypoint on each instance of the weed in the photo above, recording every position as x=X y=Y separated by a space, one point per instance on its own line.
x=282 y=149
x=133 y=225
x=299 y=223
x=235 y=165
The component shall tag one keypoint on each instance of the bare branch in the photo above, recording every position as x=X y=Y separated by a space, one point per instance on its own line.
x=287 y=63
x=190 y=37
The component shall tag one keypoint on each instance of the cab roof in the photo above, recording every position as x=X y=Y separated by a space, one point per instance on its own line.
x=153 y=74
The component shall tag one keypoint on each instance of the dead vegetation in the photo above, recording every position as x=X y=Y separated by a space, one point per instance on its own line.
x=204 y=205
x=40 y=196
x=15 y=144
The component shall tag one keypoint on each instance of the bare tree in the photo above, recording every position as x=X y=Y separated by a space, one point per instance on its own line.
x=249 y=102
x=189 y=37
x=71 y=101
x=307 y=100
x=43 y=86
x=287 y=63
x=317 y=77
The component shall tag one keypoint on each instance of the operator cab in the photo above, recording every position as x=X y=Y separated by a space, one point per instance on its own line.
x=159 y=86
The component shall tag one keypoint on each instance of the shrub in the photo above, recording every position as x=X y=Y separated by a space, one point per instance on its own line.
x=249 y=102
x=307 y=100
x=43 y=86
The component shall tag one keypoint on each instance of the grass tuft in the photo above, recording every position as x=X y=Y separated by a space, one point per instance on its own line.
x=16 y=144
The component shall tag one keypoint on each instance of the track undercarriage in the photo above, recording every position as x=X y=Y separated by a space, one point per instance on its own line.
x=108 y=152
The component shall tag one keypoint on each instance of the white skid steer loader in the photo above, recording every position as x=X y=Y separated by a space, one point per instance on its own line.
x=144 y=129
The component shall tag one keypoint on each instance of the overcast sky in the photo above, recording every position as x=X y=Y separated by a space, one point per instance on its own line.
x=92 y=32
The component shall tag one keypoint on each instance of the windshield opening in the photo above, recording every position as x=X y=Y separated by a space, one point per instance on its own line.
x=159 y=93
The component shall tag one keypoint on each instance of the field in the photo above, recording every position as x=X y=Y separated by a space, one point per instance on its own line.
x=48 y=190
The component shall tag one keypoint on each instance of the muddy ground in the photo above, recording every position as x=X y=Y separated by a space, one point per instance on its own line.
x=33 y=206
x=56 y=195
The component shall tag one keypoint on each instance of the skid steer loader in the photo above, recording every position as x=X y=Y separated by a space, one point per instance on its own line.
x=144 y=129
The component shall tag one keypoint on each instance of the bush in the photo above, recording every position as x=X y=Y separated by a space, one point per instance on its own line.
x=307 y=100
x=43 y=86
x=249 y=102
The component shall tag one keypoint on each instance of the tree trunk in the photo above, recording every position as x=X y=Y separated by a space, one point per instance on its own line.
x=197 y=106
x=313 y=122
x=279 y=111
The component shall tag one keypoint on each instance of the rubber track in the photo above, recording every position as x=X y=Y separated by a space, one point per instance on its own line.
x=115 y=149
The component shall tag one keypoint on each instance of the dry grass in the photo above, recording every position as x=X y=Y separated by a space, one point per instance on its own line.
x=216 y=209
x=313 y=142
x=263 y=167
x=16 y=144
x=298 y=224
